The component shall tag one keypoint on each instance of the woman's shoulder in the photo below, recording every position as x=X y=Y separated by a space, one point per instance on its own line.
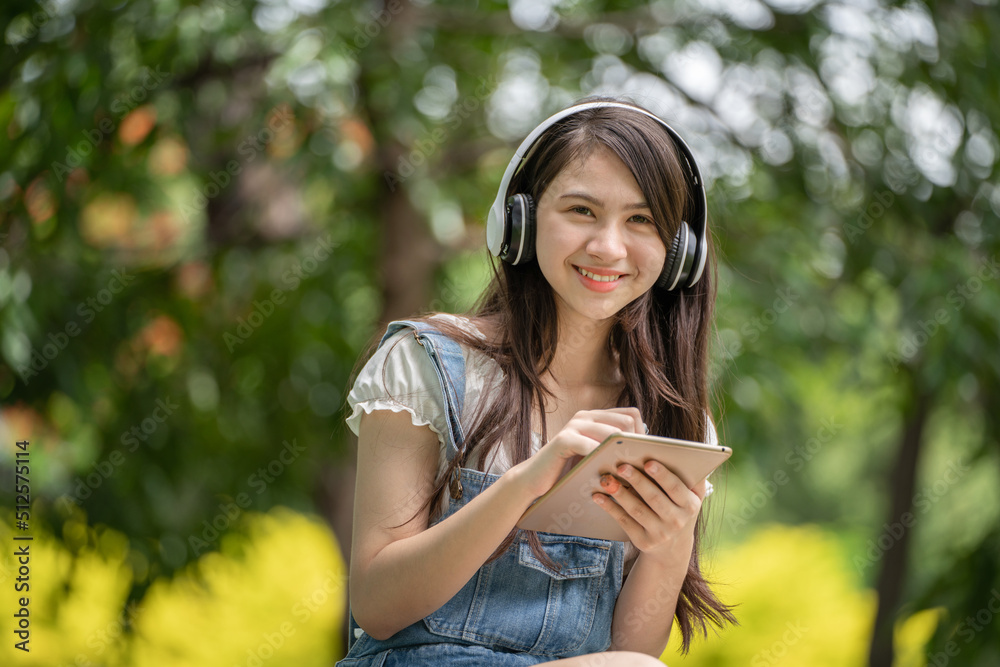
x=481 y=328
x=401 y=375
x=400 y=333
x=475 y=335
x=472 y=334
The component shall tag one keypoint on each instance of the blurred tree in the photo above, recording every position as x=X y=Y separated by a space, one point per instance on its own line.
x=208 y=210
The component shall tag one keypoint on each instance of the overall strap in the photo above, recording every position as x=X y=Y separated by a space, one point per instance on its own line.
x=449 y=364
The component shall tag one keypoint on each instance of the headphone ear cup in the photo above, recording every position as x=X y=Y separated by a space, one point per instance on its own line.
x=674 y=261
x=530 y=226
x=699 y=261
x=520 y=220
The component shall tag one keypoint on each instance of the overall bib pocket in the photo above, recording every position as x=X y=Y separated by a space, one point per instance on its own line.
x=520 y=604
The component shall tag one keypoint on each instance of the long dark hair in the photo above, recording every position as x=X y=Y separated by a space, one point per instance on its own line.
x=660 y=339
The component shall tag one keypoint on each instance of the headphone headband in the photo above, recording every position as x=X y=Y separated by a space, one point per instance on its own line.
x=696 y=187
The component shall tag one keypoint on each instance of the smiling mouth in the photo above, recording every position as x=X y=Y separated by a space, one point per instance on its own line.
x=600 y=279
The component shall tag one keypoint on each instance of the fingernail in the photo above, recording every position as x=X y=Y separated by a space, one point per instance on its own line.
x=652 y=467
x=599 y=499
x=625 y=470
x=609 y=482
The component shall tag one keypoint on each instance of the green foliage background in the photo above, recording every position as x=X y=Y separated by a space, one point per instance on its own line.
x=207 y=211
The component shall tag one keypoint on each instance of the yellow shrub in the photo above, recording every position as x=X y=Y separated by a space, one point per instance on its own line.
x=275 y=597
x=75 y=601
x=912 y=635
x=799 y=603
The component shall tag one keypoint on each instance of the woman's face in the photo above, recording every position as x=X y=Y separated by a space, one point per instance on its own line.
x=597 y=244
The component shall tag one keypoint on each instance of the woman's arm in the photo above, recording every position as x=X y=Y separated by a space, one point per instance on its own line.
x=644 y=613
x=402 y=570
x=659 y=515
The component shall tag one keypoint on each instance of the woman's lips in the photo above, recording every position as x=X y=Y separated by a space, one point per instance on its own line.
x=598 y=281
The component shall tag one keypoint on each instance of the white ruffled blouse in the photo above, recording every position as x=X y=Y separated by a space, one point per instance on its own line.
x=401 y=377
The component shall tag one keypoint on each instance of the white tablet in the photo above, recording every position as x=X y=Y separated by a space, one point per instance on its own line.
x=568 y=507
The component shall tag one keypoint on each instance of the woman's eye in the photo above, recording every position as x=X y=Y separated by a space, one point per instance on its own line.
x=582 y=210
x=641 y=219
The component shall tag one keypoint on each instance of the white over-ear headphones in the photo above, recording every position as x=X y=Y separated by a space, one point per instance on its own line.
x=510 y=227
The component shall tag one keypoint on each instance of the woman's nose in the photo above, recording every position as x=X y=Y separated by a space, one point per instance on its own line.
x=608 y=241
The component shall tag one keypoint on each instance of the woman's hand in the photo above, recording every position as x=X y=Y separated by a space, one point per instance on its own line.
x=657 y=510
x=579 y=437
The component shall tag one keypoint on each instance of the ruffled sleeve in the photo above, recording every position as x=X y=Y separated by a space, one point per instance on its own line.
x=711 y=436
x=399 y=377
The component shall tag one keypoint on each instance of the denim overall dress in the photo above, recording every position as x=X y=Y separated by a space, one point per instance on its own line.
x=515 y=610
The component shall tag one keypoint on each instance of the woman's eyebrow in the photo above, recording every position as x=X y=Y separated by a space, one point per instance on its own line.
x=598 y=202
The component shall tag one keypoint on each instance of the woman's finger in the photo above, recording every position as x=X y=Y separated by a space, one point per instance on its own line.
x=626 y=420
x=597 y=432
x=650 y=497
x=629 y=525
x=635 y=423
x=676 y=490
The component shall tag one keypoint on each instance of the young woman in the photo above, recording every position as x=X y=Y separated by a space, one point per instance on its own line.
x=596 y=321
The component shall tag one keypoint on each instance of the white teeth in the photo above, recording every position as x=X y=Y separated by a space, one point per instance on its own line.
x=594 y=276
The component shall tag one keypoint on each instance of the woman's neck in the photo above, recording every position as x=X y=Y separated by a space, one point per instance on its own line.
x=582 y=357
